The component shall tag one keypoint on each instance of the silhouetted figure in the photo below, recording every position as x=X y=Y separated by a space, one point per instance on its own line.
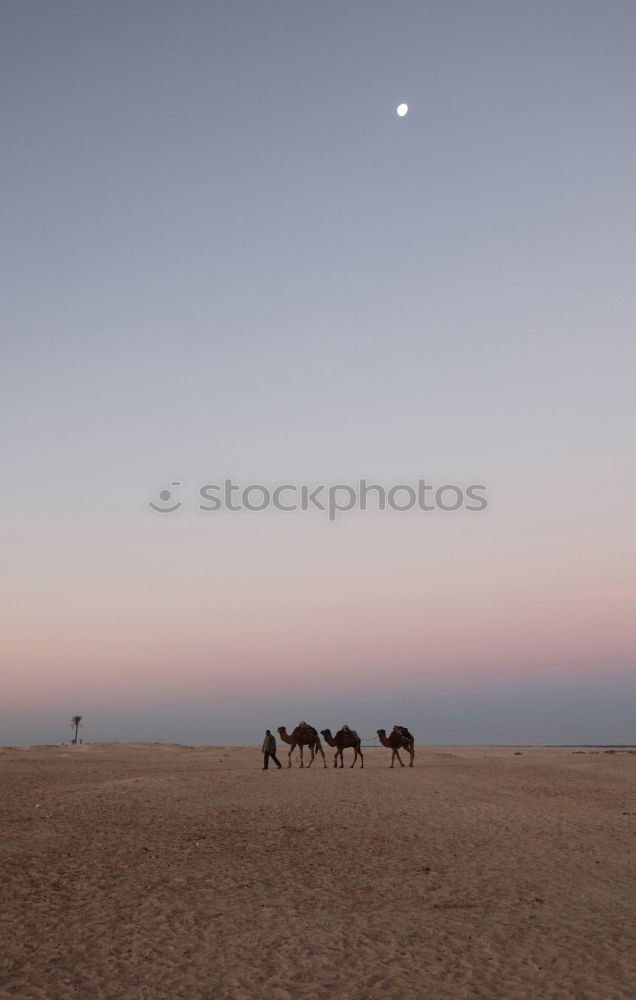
x=269 y=750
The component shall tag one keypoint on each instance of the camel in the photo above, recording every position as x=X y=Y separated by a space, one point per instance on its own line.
x=397 y=740
x=302 y=736
x=345 y=737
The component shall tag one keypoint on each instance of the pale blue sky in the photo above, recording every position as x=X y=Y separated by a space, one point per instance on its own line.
x=223 y=255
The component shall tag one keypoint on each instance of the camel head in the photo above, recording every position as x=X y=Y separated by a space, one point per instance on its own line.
x=282 y=731
x=326 y=733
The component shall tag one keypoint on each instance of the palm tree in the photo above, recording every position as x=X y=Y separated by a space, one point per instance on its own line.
x=76 y=722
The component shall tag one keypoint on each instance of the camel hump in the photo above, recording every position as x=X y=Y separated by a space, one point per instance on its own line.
x=308 y=729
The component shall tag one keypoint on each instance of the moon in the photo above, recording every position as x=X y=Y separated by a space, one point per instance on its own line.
x=402 y=109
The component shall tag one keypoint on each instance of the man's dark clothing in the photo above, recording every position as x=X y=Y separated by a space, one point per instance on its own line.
x=269 y=750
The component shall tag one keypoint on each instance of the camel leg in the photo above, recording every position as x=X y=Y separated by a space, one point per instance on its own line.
x=360 y=754
x=289 y=755
x=300 y=747
x=311 y=751
x=320 y=750
x=335 y=759
x=412 y=757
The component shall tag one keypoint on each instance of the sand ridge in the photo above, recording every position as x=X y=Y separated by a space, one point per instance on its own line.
x=146 y=871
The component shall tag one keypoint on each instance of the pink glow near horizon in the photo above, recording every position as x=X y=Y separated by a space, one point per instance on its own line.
x=241 y=633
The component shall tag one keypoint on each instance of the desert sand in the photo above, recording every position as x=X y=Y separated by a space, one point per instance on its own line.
x=151 y=871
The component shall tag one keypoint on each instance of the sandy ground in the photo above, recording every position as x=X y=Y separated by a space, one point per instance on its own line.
x=156 y=871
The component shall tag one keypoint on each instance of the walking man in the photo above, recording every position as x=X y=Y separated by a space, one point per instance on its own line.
x=269 y=750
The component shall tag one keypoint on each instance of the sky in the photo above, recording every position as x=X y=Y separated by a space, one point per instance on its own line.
x=225 y=256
